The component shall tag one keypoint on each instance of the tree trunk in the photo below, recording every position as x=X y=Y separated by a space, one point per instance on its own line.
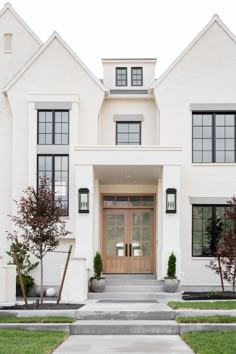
x=41 y=280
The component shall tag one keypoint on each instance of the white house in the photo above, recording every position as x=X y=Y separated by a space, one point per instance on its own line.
x=127 y=139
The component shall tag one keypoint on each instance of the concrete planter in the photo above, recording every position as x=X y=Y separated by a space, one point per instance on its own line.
x=98 y=285
x=170 y=285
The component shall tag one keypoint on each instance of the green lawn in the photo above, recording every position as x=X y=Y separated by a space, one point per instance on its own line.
x=11 y=319
x=29 y=342
x=211 y=342
x=206 y=319
x=203 y=305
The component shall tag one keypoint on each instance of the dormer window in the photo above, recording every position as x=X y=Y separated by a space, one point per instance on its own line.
x=7 y=42
x=121 y=76
x=137 y=76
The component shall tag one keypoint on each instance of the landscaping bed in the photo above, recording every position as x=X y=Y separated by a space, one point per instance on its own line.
x=59 y=319
x=206 y=319
x=45 y=306
x=203 y=305
x=210 y=295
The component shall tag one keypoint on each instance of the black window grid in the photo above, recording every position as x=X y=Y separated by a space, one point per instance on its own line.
x=208 y=234
x=59 y=130
x=136 y=76
x=52 y=173
x=121 y=76
x=128 y=133
x=229 y=154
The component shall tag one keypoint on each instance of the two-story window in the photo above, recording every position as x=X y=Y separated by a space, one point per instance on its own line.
x=136 y=76
x=128 y=133
x=209 y=223
x=214 y=137
x=53 y=127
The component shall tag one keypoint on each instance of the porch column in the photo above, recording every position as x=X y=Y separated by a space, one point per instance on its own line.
x=170 y=222
x=84 y=222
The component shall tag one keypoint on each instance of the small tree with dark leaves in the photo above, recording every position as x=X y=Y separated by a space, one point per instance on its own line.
x=224 y=262
x=38 y=222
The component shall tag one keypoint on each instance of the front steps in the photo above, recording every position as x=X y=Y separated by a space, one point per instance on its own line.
x=134 y=287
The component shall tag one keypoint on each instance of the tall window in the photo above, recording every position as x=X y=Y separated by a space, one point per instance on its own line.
x=209 y=222
x=136 y=76
x=121 y=76
x=53 y=127
x=7 y=42
x=214 y=137
x=56 y=167
x=128 y=133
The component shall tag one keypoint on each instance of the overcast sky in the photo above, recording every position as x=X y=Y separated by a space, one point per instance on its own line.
x=98 y=29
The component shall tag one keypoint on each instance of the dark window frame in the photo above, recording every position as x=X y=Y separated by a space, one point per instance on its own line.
x=53 y=175
x=53 y=111
x=126 y=76
x=213 y=207
x=213 y=145
x=132 y=75
x=130 y=122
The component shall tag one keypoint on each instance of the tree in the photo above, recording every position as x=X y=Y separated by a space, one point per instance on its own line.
x=224 y=262
x=38 y=221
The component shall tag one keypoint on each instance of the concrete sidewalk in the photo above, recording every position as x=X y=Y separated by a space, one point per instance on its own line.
x=121 y=344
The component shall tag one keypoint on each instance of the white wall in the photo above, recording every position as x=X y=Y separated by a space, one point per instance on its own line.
x=128 y=106
x=205 y=75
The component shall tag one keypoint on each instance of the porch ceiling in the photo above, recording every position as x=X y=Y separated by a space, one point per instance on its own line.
x=127 y=174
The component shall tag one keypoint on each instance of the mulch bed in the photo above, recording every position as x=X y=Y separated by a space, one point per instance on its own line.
x=227 y=295
x=46 y=306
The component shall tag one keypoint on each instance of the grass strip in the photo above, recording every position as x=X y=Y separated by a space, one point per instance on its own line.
x=219 y=342
x=11 y=319
x=30 y=342
x=206 y=319
x=203 y=305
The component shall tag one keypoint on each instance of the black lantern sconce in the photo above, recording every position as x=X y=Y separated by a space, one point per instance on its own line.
x=83 y=200
x=171 y=200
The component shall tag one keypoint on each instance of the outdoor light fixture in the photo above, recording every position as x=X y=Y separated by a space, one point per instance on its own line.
x=83 y=200
x=171 y=200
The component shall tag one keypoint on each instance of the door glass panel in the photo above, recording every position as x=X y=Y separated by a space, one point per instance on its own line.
x=136 y=233
x=115 y=234
x=111 y=249
x=136 y=219
x=120 y=233
x=136 y=249
x=110 y=233
x=146 y=219
x=120 y=249
x=146 y=234
x=146 y=249
x=119 y=220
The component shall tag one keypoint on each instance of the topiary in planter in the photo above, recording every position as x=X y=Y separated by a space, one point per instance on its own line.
x=170 y=282
x=98 y=281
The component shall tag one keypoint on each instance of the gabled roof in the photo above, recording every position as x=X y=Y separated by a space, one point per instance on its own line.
x=28 y=64
x=8 y=6
x=215 y=19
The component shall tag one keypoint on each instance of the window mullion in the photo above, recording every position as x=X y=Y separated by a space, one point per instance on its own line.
x=213 y=139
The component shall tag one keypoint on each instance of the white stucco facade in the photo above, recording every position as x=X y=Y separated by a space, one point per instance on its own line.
x=50 y=77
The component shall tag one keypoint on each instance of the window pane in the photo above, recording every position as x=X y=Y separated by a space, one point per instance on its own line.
x=220 y=156
x=207 y=132
x=123 y=138
x=48 y=139
x=122 y=128
x=220 y=119
x=220 y=132
x=229 y=132
x=207 y=144
x=134 y=128
x=42 y=117
x=229 y=144
x=229 y=119
x=207 y=120
x=220 y=144
x=134 y=138
x=197 y=156
x=197 y=119
x=229 y=156
x=197 y=132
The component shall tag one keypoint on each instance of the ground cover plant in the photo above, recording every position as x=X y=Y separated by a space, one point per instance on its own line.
x=203 y=305
x=30 y=342
x=218 y=342
x=11 y=319
x=206 y=319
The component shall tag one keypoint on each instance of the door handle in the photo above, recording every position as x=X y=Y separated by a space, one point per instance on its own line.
x=126 y=250
x=130 y=249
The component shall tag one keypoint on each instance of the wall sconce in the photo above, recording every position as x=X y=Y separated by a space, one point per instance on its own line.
x=171 y=200
x=83 y=200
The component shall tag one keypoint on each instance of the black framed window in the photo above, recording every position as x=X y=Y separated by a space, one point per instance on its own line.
x=121 y=76
x=209 y=223
x=214 y=137
x=128 y=133
x=53 y=127
x=56 y=167
x=137 y=76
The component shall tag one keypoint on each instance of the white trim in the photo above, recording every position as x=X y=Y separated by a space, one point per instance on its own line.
x=127 y=148
x=215 y=19
x=212 y=106
x=54 y=35
x=209 y=200
x=9 y=7
x=53 y=105
x=128 y=117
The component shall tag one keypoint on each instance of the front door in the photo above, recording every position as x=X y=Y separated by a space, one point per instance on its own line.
x=128 y=245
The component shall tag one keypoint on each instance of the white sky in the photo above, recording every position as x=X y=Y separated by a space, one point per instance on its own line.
x=124 y=28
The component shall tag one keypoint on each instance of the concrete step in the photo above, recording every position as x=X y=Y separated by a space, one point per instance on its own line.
x=133 y=288
x=135 y=282
x=124 y=327
x=159 y=296
x=131 y=276
x=126 y=315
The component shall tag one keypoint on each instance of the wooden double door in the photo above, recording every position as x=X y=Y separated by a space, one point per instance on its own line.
x=128 y=242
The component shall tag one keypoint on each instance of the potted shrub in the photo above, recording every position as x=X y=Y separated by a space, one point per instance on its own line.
x=171 y=282
x=98 y=281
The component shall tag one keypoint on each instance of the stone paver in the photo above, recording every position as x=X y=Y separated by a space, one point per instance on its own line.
x=123 y=345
